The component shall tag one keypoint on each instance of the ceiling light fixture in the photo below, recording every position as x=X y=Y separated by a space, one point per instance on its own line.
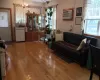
x=47 y=2
x=24 y=4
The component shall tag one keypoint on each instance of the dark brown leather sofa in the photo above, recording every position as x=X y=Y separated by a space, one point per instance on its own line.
x=68 y=47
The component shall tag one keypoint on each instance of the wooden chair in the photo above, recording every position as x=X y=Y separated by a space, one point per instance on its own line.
x=95 y=57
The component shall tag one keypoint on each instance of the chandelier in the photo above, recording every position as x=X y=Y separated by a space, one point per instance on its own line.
x=24 y=4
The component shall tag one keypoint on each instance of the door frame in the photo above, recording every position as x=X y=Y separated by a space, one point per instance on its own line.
x=9 y=9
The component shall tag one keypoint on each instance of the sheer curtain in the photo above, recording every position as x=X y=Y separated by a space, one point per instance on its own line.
x=20 y=15
x=54 y=18
x=92 y=17
x=51 y=21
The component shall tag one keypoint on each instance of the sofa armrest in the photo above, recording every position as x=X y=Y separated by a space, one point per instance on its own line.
x=84 y=56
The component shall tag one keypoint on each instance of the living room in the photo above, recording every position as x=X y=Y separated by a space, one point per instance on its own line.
x=49 y=40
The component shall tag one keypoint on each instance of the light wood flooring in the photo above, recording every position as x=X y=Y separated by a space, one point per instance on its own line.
x=34 y=61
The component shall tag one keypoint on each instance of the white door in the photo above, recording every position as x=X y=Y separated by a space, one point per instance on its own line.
x=5 y=25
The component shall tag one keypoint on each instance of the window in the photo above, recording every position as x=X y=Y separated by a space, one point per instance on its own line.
x=51 y=20
x=4 y=19
x=92 y=18
x=92 y=26
x=39 y=21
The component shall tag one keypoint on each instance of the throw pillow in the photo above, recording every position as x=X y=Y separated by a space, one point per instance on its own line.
x=59 y=37
x=82 y=44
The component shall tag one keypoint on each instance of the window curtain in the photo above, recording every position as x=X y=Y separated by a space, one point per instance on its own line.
x=54 y=18
x=92 y=13
x=20 y=15
x=85 y=3
x=92 y=9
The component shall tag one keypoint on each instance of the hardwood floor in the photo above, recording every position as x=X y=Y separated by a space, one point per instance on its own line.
x=34 y=61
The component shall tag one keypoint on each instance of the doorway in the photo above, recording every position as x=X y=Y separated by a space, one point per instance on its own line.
x=5 y=24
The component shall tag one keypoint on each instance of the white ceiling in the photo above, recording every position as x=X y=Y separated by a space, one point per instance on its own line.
x=42 y=1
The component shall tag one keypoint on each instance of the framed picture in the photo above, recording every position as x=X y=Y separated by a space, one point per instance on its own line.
x=79 y=11
x=67 y=14
x=78 y=20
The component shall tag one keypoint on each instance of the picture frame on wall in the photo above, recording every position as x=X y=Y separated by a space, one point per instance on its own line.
x=78 y=20
x=79 y=11
x=68 y=14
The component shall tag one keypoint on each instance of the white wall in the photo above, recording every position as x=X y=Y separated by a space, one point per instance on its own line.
x=66 y=4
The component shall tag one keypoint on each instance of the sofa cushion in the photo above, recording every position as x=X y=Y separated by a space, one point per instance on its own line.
x=72 y=38
x=69 y=50
x=67 y=45
x=77 y=38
